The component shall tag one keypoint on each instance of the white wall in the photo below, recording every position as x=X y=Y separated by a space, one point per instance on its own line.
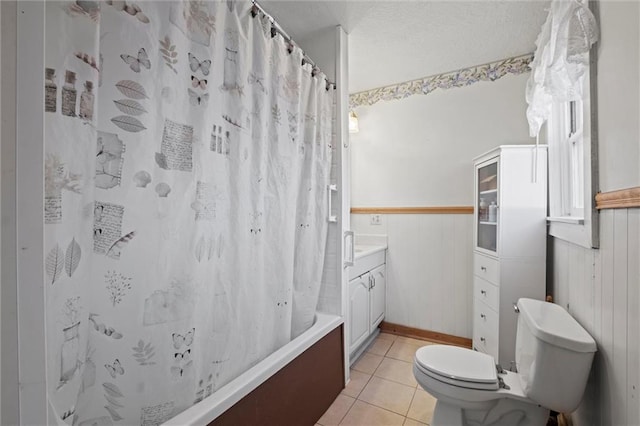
x=419 y=152
x=619 y=95
x=0 y=226
x=429 y=270
x=322 y=49
x=601 y=288
x=9 y=401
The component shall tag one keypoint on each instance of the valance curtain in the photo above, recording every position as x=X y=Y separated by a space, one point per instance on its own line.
x=560 y=60
x=187 y=162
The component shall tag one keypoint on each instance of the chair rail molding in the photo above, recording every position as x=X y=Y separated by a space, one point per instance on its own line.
x=413 y=210
x=620 y=199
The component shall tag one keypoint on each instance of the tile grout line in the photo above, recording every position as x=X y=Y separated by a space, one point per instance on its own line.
x=357 y=398
x=411 y=402
x=415 y=391
x=347 y=412
x=392 y=380
x=365 y=385
x=381 y=408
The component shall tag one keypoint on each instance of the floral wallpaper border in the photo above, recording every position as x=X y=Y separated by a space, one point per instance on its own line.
x=460 y=78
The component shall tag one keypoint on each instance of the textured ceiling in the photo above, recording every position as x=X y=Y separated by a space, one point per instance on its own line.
x=396 y=41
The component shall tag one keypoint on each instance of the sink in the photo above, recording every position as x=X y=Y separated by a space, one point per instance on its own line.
x=365 y=245
x=366 y=249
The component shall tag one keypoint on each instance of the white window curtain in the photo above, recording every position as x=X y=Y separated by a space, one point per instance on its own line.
x=560 y=60
x=187 y=164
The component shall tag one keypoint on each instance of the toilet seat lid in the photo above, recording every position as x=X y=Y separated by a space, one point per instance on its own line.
x=458 y=364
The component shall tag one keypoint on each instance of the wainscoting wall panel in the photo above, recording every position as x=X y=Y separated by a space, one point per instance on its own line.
x=601 y=289
x=429 y=269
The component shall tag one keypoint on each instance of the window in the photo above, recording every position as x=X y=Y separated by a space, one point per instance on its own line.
x=568 y=146
x=572 y=171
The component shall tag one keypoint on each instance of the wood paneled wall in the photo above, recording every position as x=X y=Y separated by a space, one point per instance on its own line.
x=601 y=289
x=429 y=269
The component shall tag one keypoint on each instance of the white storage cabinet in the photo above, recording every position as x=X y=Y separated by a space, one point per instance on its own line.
x=509 y=243
x=367 y=298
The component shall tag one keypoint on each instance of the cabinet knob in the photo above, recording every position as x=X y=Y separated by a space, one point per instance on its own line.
x=483 y=316
x=482 y=339
x=483 y=292
x=483 y=268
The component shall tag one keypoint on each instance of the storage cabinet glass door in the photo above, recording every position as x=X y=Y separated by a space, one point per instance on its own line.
x=487 y=205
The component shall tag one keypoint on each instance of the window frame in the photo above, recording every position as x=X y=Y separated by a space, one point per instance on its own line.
x=566 y=222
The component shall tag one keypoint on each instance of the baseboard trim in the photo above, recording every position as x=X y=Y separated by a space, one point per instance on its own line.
x=621 y=199
x=417 y=333
x=413 y=210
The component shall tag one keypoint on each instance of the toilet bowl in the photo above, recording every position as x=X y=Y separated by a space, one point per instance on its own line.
x=553 y=355
x=469 y=390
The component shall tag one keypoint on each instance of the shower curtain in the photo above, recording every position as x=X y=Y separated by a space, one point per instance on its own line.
x=187 y=159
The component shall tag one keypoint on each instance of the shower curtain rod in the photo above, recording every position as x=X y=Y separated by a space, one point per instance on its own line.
x=276 y=28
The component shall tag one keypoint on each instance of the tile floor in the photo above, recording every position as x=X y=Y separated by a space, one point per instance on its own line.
x=382 y=390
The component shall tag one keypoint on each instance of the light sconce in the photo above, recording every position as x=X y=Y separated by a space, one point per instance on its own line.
x=353 y=122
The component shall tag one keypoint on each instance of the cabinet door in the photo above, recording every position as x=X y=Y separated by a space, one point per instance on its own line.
x=378 y=295
x=358 y=311
x=487 y=206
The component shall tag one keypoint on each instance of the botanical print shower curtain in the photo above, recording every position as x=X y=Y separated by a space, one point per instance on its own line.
x=187 y=163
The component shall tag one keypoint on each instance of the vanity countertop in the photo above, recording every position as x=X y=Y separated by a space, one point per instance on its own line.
x=367 y=244
x=363 y=250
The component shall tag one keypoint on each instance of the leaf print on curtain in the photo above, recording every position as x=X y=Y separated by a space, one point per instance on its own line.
x=194 y=199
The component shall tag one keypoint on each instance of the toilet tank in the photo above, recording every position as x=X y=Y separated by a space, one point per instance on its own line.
x=553 y=355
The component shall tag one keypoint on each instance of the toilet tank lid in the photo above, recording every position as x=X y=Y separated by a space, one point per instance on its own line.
x=551 y=323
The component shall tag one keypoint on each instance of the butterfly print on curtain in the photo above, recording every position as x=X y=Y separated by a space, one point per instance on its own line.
x=195 y=65
x=135 y=200
x=197 y=83
x=142 y=60
x=185 y=339
x=114 y=369
x=182 y=358
x=198 y=99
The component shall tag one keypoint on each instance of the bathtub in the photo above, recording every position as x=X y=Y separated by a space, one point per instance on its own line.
x=227 y=396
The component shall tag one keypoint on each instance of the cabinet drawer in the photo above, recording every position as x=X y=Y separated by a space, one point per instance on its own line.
x=485 y=333
x=486 y=292
x=366 y=263
x=486 y=268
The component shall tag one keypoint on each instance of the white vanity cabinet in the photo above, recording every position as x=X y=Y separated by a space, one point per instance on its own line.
x=509 y=256
x=377 y=295
x=367 y=297
x=359 y=304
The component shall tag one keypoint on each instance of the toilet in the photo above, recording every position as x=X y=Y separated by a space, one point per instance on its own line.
x=553 y=359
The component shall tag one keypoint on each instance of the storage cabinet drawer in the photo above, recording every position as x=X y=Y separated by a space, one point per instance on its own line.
x=486 y=268
x=477 y=343
x=366 y=263
x=486 y=292
x=485 y=333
